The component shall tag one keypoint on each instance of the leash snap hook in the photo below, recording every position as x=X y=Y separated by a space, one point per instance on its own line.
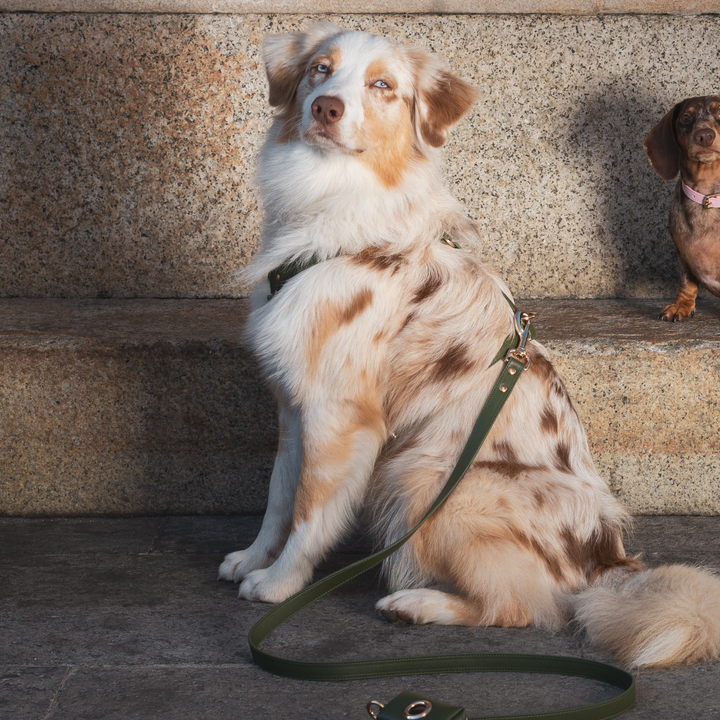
x=522 y=327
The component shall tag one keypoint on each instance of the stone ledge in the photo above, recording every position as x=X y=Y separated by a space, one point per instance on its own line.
x=474 y=7
x=140 y=407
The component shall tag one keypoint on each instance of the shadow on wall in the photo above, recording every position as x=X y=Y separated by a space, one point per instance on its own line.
x=209 y=430
x=632 y=201
x=164 y=428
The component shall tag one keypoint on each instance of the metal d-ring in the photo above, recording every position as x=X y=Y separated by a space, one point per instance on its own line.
x=418 y=709
x=371 y=711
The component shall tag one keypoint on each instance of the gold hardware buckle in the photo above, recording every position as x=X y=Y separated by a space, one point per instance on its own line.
x=708 y=198
x=445 y=237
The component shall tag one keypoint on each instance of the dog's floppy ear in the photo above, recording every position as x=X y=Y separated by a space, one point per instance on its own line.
x=286 y=56
x=441 y=98
x=662 y=150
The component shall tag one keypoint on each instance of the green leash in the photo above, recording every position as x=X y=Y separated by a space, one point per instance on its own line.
x=410 y=706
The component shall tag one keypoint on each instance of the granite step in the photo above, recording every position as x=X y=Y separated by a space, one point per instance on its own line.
x=153 y=407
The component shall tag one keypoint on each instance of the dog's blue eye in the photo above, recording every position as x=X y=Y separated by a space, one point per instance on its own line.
x=323 y=68
x=381 y=84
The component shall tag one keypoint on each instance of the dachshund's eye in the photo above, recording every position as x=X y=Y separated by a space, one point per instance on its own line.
x=686 y=118
x=322 y=68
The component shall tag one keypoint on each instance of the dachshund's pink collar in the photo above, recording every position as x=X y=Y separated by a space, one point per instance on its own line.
x=707 y=201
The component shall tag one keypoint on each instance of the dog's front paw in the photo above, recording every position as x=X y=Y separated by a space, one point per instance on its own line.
x=264 y=586
x=677 y=312
x=239 y=564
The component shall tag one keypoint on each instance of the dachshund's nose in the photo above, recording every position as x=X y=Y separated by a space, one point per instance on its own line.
x=704 y=137
x=327 y=109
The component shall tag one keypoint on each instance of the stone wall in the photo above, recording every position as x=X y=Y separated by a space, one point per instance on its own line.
x=128 y=137
x=129 y=142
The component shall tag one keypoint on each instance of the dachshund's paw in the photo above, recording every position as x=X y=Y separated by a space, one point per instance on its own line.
x=238 y=564
x=264 y=585
x=677 y=312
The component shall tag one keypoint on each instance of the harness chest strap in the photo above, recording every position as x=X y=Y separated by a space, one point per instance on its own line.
x=410 y=706
x=278 y=276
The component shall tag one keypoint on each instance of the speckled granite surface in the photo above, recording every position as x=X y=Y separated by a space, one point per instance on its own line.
x=153 y=406
x=366 y=6
x=131 y=407
x=129 y=143
x=648 y=397
x=647 y=393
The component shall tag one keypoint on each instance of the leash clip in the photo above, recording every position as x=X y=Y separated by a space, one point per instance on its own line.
x=522 y=328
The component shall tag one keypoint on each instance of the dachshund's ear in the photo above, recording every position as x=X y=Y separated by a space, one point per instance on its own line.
x=441 y=98
x=287 y=55
x=661 y=147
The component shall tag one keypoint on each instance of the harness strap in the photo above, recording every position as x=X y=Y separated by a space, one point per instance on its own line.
x=281 y=274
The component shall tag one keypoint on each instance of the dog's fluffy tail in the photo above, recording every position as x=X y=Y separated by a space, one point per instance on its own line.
x=653 y=618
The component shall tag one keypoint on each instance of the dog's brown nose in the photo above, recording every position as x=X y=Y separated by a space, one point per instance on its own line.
x=327 y=109
x=704 y=137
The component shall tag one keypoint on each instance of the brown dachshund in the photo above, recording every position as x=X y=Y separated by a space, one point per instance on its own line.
x=687 y=140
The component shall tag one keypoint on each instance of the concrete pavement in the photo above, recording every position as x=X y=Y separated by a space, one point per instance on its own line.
x=123 y=619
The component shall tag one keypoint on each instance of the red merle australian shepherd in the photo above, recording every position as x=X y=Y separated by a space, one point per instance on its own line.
x=380 y=354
